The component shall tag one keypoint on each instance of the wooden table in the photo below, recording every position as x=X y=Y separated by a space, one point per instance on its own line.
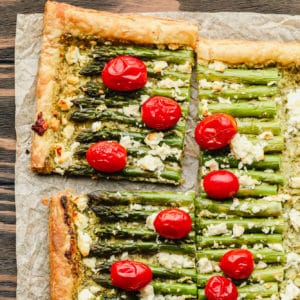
x=8 y=12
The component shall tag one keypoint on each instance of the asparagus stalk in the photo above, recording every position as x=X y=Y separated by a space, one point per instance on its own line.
x=96 y=89
x=269 y=177
x=108 y=249
x=250 y=76
x=257 y=126
x=262 y=109
x=244 y=208
x=163 y=198
x=178 y=56
x=271 y=274
x=266 y=255
x=272 y=225
x=253 y=291
x=170 y=175
x=109 y=102
x=245 y=239
x=173 y=288
x=246 y=92
x=271 y=161
x=260 y=190
x=87 y=136
x=274 y=144
x=137 y=233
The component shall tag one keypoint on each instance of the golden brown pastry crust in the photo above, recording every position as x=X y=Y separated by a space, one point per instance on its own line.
x=62 y=250
x=248 y=52
x=61 y=18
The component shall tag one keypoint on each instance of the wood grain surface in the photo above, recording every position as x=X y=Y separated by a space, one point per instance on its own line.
x=8 y=11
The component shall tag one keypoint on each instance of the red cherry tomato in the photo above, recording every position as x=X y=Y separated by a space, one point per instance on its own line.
x=160 y=113
x=124 y=74
x=220 y=184
x=107 y=156
x=215 y=131
x=130 y=275
x=220 y=288
x=173 y=223
x=237 y=264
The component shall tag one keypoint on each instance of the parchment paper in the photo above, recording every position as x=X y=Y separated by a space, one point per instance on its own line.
x=31 y=214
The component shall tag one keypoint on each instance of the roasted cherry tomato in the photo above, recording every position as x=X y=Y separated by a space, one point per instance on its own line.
x=124 y=74
x=130 y=275
x=215 y=131
x=107 y=156
x=220 y=288
x=160 y=113
x=173 y=223
x=220 y=184
x=237 y=264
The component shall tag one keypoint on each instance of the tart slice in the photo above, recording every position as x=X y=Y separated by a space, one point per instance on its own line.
x=116 y=78
x=249 y=96
x=93 y=237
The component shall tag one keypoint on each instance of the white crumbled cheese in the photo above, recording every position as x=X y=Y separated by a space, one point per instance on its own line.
x=205 y=265
x=237 y=230
x=144 y=98
x=128 y=142
x=266 y=135
x=170 y=261
x=212 y=165
x=235 y=204
x=63 y=159
x=135 y=206
x=150 y=221
x=278 y=198
x=204 y=111
x=245 y=207
x=132 y=110
x=96 y=126
x=185 y=68
x=293 y=107
x=217 y=229
x=224 y=100
x=81 y=202
x=204 y=83
x=292 y=292
x=243 y=149
x=74 y=146
x=236 y=86
x=124 y=255
x=150 y=163
x=73 y=55
x=169 y=83
x=294 y=216
x=86 y=294
x=276 y=247
x=261 y=265
x=90 y=262
x=81 y=220
x=101 y=107
x=159 y=65
x=68 y=131
x=165 y=151
x=293 y=260
x=247 y=181
x=84 y=242
x=152 y=139
x=294 y=182
x=147 y=293
x=217 y=66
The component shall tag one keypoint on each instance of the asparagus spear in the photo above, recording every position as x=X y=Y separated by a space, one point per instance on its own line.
x=257 y=126
x=271 y=161
x=140 y=233
x=167 y=175
x=274 y=144
x=178 y=56
x=108 y=249
x=269 y=177
x=245 y=239
x=250 y=76
x=251 y=291
x=244 y=208
x=87 y=136
x=96 y=89
x=270 y=274
x=266 y=255
x=260 y=190
x=262 y=109
x=246 y=92
x=173 y=288
x=163 y=198
x=273 y=225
